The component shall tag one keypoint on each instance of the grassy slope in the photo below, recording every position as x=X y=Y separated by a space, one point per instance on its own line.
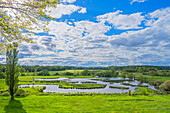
x=90 y=104
x=151 y=78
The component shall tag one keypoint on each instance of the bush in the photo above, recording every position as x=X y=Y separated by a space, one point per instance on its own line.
x=21 y=92
x=165 y=86
x=151 y=83
x=56 y=73
x=2 y=75
x=67 y=73
x=23 y=74
x=130 y=76
x=5 y=93
x=44 y=72
x=130 y=93
x=157 y=82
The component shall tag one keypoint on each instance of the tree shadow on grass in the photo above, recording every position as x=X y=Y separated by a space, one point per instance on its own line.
x=14 y=106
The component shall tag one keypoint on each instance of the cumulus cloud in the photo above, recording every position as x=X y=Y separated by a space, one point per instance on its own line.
x=139 y=1
x=83 y=10
x=79 y=43
x=120 y=21
x=68 y=1
x=63 y=10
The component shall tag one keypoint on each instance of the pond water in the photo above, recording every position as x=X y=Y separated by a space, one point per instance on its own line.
x=107 y=89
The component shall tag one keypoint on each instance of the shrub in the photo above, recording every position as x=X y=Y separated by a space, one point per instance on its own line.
x=2 y=75
x=130 y=76
x=142 y=79
x=165 y=86
x=124 y=76
x=5 y=93
x=44 y=72
x=56 y=73
x=151 y=83
x=157 y=82
x=67 y=73
x=23 y=74
x=21 y=92
x=130 y=93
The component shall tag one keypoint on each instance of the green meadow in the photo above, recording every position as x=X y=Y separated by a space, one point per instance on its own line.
x=86 y=104
x=144 y=100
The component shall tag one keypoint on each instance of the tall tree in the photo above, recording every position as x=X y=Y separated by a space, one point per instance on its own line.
x=18 y=19
x=12 y=69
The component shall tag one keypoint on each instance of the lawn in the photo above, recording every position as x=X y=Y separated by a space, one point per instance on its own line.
x=144 y=100
x=86 y=104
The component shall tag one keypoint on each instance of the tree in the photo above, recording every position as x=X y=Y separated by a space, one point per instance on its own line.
x=44 y=72
x=2 y=75
x=18 y=19
x=22 y=70
x=12 y=69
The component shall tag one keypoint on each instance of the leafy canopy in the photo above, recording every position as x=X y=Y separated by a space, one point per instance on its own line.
x=18 y=18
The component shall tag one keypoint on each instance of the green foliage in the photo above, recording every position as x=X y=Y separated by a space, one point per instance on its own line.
x=85 y=72
x=142 y=79
x=67 y=73
x=12 y=70
x=5 y=93
x=165 y=86
x=157 y=82
x=22 y=70
x=21 y=92
x=26 y=16
x=106 y=73
x=44 y=72
x=2 y=75
x=131 y=76
x=129 y=92
x=56 y=73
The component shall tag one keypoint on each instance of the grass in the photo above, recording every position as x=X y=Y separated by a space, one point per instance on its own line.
x=30 y=78
x=128 y=84
x=153 y=78
x=117 y=87
x=89 y=82
x=117 y=81
x=86 y=104
x=144 y=100
x=82 y=86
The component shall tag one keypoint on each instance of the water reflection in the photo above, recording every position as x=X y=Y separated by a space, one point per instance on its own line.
x=107 y=89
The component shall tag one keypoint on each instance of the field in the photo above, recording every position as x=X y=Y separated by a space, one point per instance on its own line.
x=86 y=104
x=144 y=100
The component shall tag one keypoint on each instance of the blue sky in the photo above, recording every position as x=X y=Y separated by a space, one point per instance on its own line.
x=103 y=33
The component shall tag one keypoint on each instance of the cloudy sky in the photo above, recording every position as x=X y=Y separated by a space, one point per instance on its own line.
x=103 y=33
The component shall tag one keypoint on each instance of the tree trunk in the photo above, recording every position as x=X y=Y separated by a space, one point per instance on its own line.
x=12 y=97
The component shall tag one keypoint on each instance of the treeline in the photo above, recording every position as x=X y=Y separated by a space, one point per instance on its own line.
x=145 y=70
x=59 y=68
x=119 y=68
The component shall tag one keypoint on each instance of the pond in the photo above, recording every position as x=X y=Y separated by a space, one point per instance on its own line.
x=127 y=83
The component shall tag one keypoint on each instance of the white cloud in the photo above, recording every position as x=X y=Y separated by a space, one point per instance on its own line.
x=83 y=10
x=63 y=10
x=140 y=1
x=69 y=1
x=157 y=15
x=85 y=42
x=120 y=21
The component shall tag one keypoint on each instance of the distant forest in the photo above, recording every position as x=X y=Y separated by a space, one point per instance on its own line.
x=142 y=68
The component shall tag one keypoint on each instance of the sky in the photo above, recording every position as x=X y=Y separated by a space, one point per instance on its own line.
x=93 y=33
